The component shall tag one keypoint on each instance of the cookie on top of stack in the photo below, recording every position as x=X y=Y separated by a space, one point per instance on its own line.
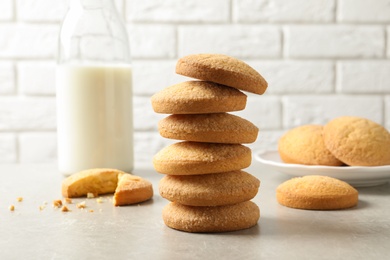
x=204 y=180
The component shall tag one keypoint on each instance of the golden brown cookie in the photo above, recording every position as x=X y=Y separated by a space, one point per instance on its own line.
x=212 y=128
x=305 y=145
x=96 y=181
x=197 y=97
x=191 y=158
x=211 y=219
x=222 y=69
x=358 y=141
x=128 y=188
x=317 y=193
x=211 y=189
x=132 y=189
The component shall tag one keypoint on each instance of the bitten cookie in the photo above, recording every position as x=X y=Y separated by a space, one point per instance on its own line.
x=305 y=145
x=132 y=189
x=212 y=128
x=211 y=219
x=191 y=158
x=128 y=188
x=96 y=181
x=211 y=189
x=222 y=69
x=316 y=193
x=358 y=141
x=197 y=97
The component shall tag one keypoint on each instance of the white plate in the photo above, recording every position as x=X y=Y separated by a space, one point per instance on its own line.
x=358 y=176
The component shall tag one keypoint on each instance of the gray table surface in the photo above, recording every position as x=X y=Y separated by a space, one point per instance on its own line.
x=138 y=232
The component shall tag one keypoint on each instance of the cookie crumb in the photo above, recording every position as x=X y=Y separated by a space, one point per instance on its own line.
x=91 y=195
x=68 y=200
x=19 y=199
x=99 y=200
x=91 y=210
x=57 y=203
x=65 y=209
x=81 y=205
x=11 y=207
x=42 y=207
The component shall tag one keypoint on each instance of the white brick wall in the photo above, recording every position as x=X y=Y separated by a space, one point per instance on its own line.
x=322 y=59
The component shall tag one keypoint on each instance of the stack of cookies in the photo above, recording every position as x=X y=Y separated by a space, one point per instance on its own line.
x=204 y=180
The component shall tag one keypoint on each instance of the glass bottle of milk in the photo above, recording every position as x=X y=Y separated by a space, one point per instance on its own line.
x=94 y=89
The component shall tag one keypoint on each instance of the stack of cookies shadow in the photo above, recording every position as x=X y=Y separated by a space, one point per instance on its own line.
x=208 y=190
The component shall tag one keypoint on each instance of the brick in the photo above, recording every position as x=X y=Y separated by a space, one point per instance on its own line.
x=334 y=41
x=178 y=11
x=242 y=41
x=263 y=111
x=284 y=11
x=8 y=151
x=364 y=77
x=146 y=145
x=49 y=10
x=145 y=119
x=308 y=109
x=41 y=10
x=7 y=78
x=152 y=41
x=38 y=147
x=37 y=77
x=149 y=77
x=22 y=113
x=364 y=11
x=7 y=10
x=28 y=41
x=297 y=77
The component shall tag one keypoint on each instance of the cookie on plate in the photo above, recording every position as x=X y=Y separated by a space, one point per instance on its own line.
x=305 y=145
x=192 y=158
x=211 y=219
x=198 y=97
x=211 y=189
x=358 y=141
x=222 y=69
x=212 y=128
x=316 y=192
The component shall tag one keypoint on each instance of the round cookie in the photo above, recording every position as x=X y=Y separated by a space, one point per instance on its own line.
x=211 y=219
x=305 y=145
x=192 y=158
x=358 y=141
x=197 y=97
x=222 y=69
x=209 y=190
x=316 y=193
x=212 y=128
